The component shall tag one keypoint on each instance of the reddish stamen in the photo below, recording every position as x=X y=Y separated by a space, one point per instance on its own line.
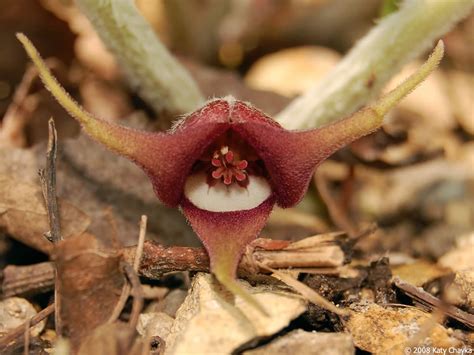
x=228 y=169
x=241 y=165
x=216 y=162
x=229 y=157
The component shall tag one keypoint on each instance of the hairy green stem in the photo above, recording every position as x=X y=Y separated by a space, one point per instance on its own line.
x=396 y=39
x=151 y=69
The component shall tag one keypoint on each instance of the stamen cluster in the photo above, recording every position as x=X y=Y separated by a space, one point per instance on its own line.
x=228 y=168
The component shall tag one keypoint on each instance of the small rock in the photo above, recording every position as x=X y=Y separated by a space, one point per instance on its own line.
x=461 y=291
x=208 y=322
x=154 y=324
x=308 y=343
x=292 y=71
x=460 y=258
x=171 y=302
x=390 y=330
x=14 y=312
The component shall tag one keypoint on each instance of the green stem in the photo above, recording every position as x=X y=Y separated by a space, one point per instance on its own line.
x=396 y=39
x=151 y=69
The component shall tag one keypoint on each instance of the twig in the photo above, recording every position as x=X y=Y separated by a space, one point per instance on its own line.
x=48 y=184
x=26 y=346
x=306 y=291
x=27 y=280
x=120 y=304
x=434 y=303
x=325 y=253
x=137 y=294
x=19 y=331
x=141 y=242
x=136 y=263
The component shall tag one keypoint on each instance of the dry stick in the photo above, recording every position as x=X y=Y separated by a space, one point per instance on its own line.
x=157 y=260
x=48 y=184
x=120 y=304
x=19 y=331
x=306 y=291
x=141 y=243
x=27 y=280
x=26 y=346
x=132 y=274
x=136 y=263
x=137 y=295
x=427 y=299
x=138 y=289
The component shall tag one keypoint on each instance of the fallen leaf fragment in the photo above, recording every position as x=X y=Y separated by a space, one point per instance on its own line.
x=95 y=179
x=390 y=330
x=23 y=216
x=90 y=281
x=14 y=312
x=207 y=323
x=308 y=343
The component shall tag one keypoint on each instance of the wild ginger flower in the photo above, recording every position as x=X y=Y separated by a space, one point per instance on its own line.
x=227 y=164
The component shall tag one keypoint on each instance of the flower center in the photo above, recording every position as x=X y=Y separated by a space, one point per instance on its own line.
x=229 y=176
x=228 y=167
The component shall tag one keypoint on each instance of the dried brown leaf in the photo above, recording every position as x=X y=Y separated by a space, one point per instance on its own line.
x=23 y=216
x=89 y=283
x=97 y=180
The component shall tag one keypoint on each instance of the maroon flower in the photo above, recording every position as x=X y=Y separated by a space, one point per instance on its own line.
x=227 y=164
